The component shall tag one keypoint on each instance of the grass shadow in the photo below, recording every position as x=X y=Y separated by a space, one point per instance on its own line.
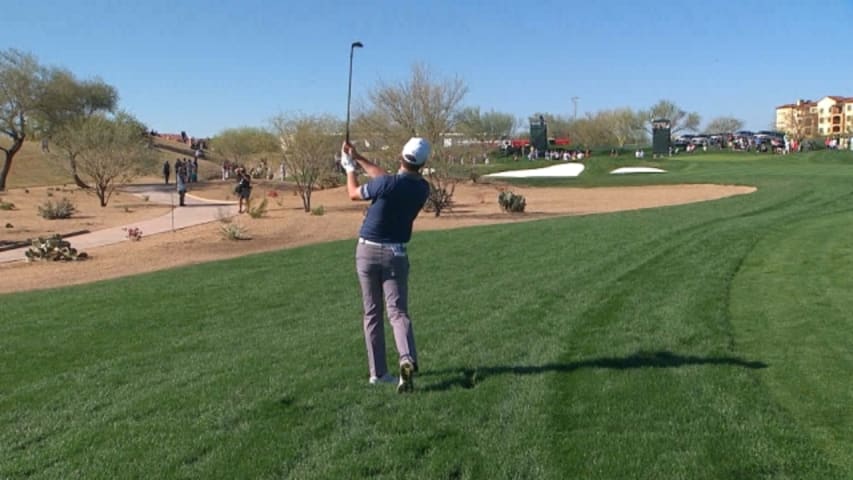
x=468 y=378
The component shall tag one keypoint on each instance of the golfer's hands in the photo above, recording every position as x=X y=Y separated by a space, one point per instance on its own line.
x=347 y=153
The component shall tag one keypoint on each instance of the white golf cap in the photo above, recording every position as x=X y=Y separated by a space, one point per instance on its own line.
x=416 y=151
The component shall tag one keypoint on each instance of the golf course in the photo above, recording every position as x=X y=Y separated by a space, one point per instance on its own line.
x=700 y=341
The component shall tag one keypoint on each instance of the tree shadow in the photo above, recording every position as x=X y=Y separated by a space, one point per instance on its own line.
x=468 y=378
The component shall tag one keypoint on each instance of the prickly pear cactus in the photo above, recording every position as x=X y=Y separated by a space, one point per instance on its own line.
x=53 y=249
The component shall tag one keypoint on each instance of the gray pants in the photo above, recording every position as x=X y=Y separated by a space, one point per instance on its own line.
x=384 y=275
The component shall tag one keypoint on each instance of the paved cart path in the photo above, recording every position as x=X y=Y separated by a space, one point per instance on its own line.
x=196 y=212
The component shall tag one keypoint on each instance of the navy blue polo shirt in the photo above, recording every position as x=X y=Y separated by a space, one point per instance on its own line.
x=396 y=201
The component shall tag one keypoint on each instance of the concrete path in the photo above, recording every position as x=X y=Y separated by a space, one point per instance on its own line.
x=196 y=212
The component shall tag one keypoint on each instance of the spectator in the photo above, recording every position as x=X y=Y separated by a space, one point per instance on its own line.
x=243 y=188
x=181 y=181
x=167 y=170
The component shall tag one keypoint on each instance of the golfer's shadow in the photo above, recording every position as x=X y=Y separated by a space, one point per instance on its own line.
x=468 y=378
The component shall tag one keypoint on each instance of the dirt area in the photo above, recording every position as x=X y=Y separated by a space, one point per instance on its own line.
x=26 y=222
x=287 y=225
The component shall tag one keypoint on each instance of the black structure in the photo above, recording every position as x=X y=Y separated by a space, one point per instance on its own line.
x=661 y=137
x=539 y=133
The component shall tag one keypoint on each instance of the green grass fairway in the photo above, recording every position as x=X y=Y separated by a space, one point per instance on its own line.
x=704 y=341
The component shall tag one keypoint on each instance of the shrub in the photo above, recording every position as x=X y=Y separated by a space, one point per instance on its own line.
x=9 y=225
x=233 y=231
x=223 y=215
x=53 y=249
x=318 y=211
x=259 y=211
x=440 y=199
x=511 y=202
x=330 y=180
x=61 y=209
x=134 y=234
x=6 y=205
x=474 y=176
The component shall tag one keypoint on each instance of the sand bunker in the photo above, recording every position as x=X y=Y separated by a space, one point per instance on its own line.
x=625 y=170
x=571 y=169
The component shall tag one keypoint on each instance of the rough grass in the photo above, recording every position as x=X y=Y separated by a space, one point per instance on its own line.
x=705 y=341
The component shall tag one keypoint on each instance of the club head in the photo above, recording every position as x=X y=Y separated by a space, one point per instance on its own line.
x=357 y=45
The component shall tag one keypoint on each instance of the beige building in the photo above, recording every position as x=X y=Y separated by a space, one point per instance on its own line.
x=829 y=116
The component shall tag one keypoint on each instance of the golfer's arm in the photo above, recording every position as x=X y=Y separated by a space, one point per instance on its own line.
x=353 y=189
x=371 y=169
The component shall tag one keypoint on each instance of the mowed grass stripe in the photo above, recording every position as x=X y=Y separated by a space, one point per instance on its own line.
x=805 y=325
x=591 y=347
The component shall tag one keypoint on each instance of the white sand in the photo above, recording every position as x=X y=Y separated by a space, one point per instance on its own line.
x=571 y=169
x=637 y=170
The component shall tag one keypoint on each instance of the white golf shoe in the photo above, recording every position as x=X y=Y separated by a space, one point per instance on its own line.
x=387 y=378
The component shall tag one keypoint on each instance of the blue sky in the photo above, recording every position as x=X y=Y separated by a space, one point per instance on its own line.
x=203 y=66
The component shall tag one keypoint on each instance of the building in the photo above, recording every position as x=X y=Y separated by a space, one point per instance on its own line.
x=835 y=116
x=830 y=116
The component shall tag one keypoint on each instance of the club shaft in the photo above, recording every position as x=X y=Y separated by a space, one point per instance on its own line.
x=349 y=90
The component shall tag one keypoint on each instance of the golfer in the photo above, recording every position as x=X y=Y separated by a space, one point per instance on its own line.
x=380 y=256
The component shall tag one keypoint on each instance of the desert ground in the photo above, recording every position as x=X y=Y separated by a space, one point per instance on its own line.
x=285 y=225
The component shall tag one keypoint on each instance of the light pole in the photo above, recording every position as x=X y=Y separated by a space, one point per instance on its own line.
x=349 y=86
x=575 y=102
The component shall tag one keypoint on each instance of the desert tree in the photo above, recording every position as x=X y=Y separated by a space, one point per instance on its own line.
x=591 y=130
x=112 y=150
x=680 y=120
x=424 y=106
x=798 y=124
x=485 y=129
x=67 y=103
x=624 y=125
x=39 y=100
x=309 y=144
x=724 y=125
x=485 y=126
x=239 y=145
x=22 y=82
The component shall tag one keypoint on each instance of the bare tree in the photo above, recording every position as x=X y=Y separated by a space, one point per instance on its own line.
x=680 y=120
x=66 y=103
x=591 y=131
x=420 y=106
x=724 y=125
x=111 y=151
x=624 y=125
x=799 y=123
x=484 y=126
x=485 y=129
x=309 y=144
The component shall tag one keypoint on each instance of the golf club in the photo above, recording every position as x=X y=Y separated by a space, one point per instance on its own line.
x=349 y=87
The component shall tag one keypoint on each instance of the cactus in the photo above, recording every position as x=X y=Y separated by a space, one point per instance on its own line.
x=510 y=202
x=53 y=249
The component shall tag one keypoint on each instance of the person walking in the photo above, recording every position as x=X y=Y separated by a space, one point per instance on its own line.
x=181 y=182
x=381 y=260
x=167 y=170
x=244 y=188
